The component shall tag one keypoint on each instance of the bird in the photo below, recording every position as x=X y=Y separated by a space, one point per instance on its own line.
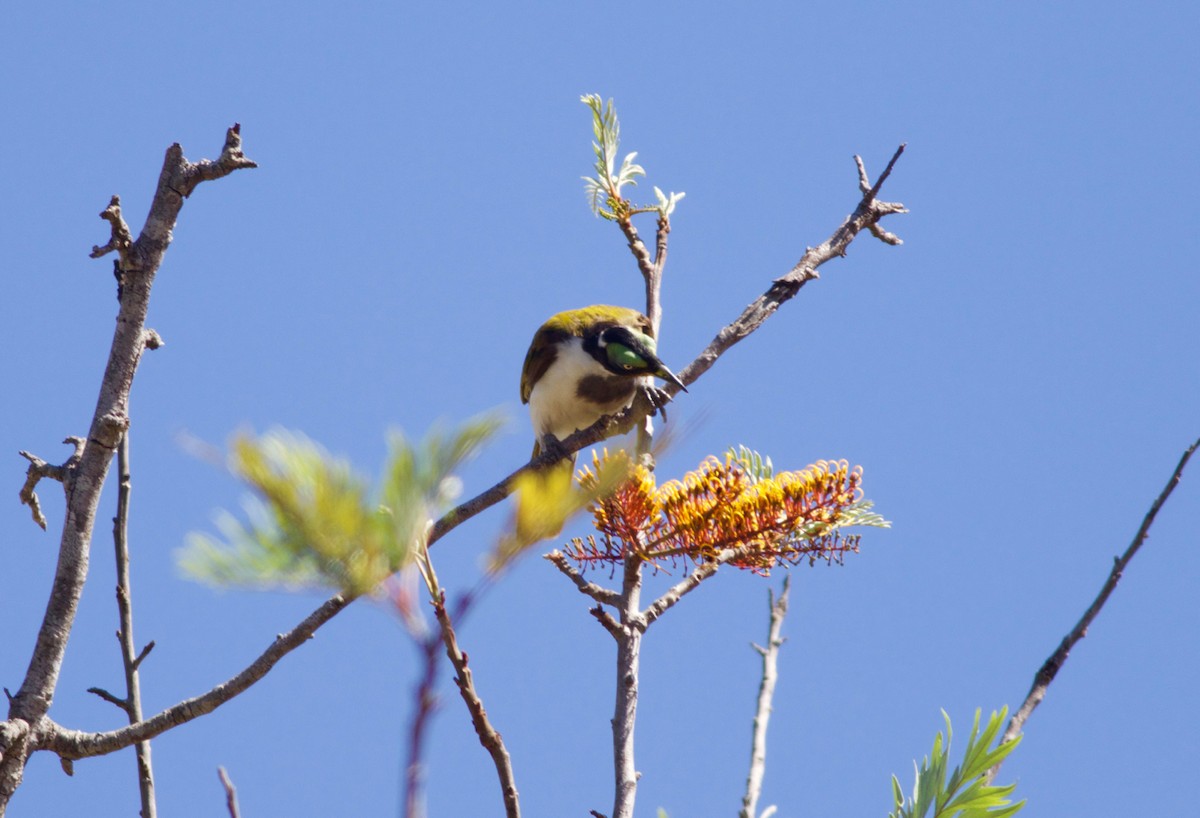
x=587 y=363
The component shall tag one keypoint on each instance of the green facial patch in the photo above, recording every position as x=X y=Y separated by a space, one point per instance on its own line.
x=625 y=358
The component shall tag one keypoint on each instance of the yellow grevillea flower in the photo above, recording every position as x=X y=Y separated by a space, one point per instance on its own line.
x=721 y=511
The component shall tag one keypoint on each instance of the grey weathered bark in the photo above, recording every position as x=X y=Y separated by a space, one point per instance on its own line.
x=629 y=645
x=766 y=696
x=138 y=263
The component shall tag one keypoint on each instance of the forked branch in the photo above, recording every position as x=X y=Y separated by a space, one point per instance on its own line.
x=39 y=469
x=138 y=263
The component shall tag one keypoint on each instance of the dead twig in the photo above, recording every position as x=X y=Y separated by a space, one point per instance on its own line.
x=766 y=694
x=489 y=737
x=129 y=660
x=231 y=802
x=1051 y=667
x=39 y=469
x=599 y=593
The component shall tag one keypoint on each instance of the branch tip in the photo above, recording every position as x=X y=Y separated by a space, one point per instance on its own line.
x=1050 y=668
x=121 y=238
x=231 y=802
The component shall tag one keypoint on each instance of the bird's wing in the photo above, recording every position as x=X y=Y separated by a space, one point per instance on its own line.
x=542 y=353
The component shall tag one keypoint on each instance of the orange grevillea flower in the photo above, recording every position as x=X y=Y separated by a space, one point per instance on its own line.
x=723 y=512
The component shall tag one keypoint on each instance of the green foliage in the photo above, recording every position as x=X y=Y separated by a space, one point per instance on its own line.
x=757 y=466
x=860 y=513
x=966 y=794
x=604 y=189
x=313 y=521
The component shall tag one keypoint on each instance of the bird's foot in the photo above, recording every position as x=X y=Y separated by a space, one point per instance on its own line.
x=658 y=400
x=551 y=447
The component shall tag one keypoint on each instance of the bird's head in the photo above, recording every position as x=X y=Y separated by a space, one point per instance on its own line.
x=619 y=339
x=626 y=348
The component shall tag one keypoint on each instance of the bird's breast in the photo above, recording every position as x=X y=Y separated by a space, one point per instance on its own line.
x=575 y=392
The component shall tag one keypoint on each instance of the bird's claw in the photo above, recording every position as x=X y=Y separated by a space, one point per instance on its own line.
x=658 y=400
x=551 y=447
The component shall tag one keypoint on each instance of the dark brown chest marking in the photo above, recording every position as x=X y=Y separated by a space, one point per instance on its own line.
x=606 y=389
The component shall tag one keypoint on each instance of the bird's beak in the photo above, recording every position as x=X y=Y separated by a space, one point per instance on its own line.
x=669 y=376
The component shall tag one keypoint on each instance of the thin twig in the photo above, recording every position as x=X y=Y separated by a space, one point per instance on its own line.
x=651 y=272
x=690 y=583
x=123 y=704
x=129 y=660
x=606 y=621
x=868 y=212
x=1051 y=667
x=39 y=469
x=73 y=744
x=231 y=802
x=766 y=694
x=489 y=737
x=426 y=695
x=599 y=593
x=122 y=239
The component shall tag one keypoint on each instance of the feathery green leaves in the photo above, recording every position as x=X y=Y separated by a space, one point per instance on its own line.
x=604 y=189
x=966 y=794
x=313 y=521
x=757 y=466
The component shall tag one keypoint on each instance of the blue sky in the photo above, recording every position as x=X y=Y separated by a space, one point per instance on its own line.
x=1017 y=380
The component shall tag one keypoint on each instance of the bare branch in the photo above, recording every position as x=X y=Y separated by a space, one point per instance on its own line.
x=78 y=744
x=144 y=653
x=488 y=736
x=38 y=469
x=864 y=183
x=868 y=213
x=232 y=158
x=605 y=618
x=766 y=694
x=231 y=802
x=414 y=770
x=596 y=592
x=689 y=583
x=138 y=265
x=629 y=643
x=122 y=238
x=1051 y=667
x=110 y=698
